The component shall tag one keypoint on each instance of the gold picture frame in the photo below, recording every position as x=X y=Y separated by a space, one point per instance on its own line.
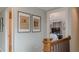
x=36 y=23
x=23 y=22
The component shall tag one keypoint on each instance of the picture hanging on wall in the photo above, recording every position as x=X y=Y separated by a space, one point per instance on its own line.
x=1 y=24
x=23 y=22
x=36 y=23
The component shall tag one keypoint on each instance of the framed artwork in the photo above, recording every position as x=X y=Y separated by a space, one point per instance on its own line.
x=36 y=23
x=23 y=22
x=1 y=24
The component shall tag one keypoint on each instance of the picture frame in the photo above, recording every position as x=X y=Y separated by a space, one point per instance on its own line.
x=36 y=25
x=23 y=22
x=1 y=24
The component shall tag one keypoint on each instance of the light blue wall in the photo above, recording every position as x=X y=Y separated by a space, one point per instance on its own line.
x=2 y=36
x=29 y=42
x=0 y=39
x=4 y=29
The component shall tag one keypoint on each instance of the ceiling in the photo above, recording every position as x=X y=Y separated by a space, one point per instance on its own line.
x=48 y=8
x=43 y=8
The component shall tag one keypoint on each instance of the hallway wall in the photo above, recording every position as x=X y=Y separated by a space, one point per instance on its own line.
x=0 y=39
x=75 y=30
x=2 y=34
x=29 y=42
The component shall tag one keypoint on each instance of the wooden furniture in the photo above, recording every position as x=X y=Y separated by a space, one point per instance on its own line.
x=61 y=45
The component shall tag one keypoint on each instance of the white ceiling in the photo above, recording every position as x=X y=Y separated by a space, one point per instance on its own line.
x=48 y=8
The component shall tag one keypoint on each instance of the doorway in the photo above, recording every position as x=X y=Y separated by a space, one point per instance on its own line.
x=57 y=20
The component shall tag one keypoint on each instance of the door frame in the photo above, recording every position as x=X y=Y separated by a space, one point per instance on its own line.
x=10 y=29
